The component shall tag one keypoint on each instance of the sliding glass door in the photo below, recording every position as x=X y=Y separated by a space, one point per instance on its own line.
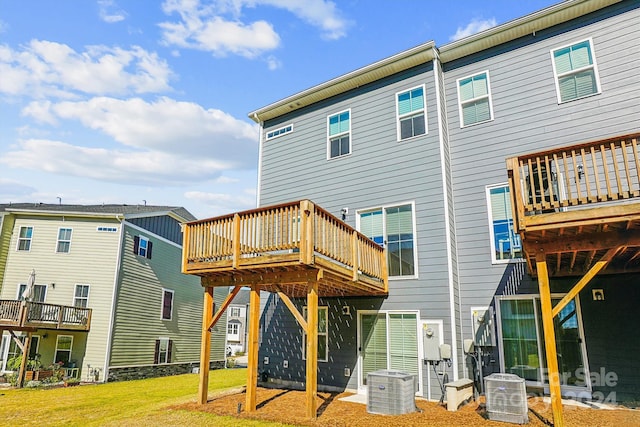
x=522 y=342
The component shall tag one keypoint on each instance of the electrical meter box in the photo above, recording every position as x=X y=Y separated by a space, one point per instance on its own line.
x=431 y=341
x=483 y=335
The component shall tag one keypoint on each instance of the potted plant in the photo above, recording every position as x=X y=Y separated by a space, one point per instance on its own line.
x=70 y=382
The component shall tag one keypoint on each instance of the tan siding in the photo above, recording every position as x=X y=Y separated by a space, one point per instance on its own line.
x=91 y=260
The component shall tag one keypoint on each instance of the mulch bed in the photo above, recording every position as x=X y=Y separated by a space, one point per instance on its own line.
x=288 y=406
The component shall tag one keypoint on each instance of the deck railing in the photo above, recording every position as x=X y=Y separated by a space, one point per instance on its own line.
x=293 y=231
x=42 y=315
x=584 y=174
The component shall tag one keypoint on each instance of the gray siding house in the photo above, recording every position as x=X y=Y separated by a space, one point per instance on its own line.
x=120 y=264
x=411 y=151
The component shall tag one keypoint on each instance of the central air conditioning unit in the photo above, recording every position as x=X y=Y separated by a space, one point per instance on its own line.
x=391 y=392
x=506 y=398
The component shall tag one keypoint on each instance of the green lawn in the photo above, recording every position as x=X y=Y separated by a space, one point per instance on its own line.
x=141 y=402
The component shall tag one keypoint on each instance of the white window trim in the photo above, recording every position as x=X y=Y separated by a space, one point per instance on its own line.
x=46 y=290
x=70 y=347
x=539 y=333
x=488 y=96
x=329 y=137
x=594 y=66
x=233 y=310
x=413 y=113
x=20 y=238
x=166 y=353
x=326 y=334
x=75 y=288
x=283 y=128
x=492 y=236
x=58 y=240
x=384 y=233
x=141 y=238
x=420 y=343
x=169 y=291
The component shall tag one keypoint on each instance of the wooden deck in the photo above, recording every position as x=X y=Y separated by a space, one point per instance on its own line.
x=579 y=204
x=296 y=250
x=29 y=315
x=577 y=213
x=283 y=248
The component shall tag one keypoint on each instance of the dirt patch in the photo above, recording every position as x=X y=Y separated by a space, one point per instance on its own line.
x=288 y=406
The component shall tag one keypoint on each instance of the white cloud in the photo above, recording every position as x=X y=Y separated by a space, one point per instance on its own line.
x=217 y=26
x=200 y=29
x=224 y=202
x=110 y=12
x=319 y=13
x=49 y=69
x=475 y=26
x=119 y=166
x=273 y=63
x=10 y=189
x=165 y=125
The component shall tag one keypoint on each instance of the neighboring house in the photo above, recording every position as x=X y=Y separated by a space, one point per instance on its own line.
x=411 y=151
x=118 y=266
x=237 y=323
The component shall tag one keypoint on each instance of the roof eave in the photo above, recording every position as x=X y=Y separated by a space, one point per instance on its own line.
x=386 y=67
x=529 y=24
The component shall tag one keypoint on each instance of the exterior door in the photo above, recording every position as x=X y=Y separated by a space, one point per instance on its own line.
x=387 y=341
x=522 y=344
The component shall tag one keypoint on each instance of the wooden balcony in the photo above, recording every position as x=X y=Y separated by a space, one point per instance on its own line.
x=28 y=315
x=576 y=206
x=282 y=248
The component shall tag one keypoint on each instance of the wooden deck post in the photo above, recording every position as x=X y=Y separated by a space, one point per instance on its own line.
x=205 y=346
x=23 y=363
x=312 y=349
x=550 y=341
x=252 y=356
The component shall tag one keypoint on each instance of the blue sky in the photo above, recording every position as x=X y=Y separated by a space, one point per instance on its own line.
x=114 y=101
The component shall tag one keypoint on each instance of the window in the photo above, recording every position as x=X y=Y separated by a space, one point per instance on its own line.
x=64 y=344
x=81 y=297
x=64 y=240
x=474 y=96
x=24 y=240
x=235 y=312
x=393 y=227
x=164 y=347
x=14 y=351
x=279 y=132
x=575 y=71
x=38 y=293
x=142 y=246
x=233 y=329
x=323 y=336
x=167 y=304
x=107 y=229
x=339 y=132
x=411 y=113
x=505 y=243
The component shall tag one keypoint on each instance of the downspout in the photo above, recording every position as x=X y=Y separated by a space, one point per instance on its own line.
x=116 y=278
x=452 y=303
x=260 y=141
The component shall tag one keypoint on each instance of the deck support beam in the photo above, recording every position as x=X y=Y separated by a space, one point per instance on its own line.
x=550 y=342
x=205 y=346
x=312 y=350
x=595 y=269
x=225 y=304
x=252 y=357
x=294 y=311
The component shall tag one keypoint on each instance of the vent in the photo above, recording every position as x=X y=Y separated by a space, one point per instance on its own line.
x=391 y=392
x=506 y=398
